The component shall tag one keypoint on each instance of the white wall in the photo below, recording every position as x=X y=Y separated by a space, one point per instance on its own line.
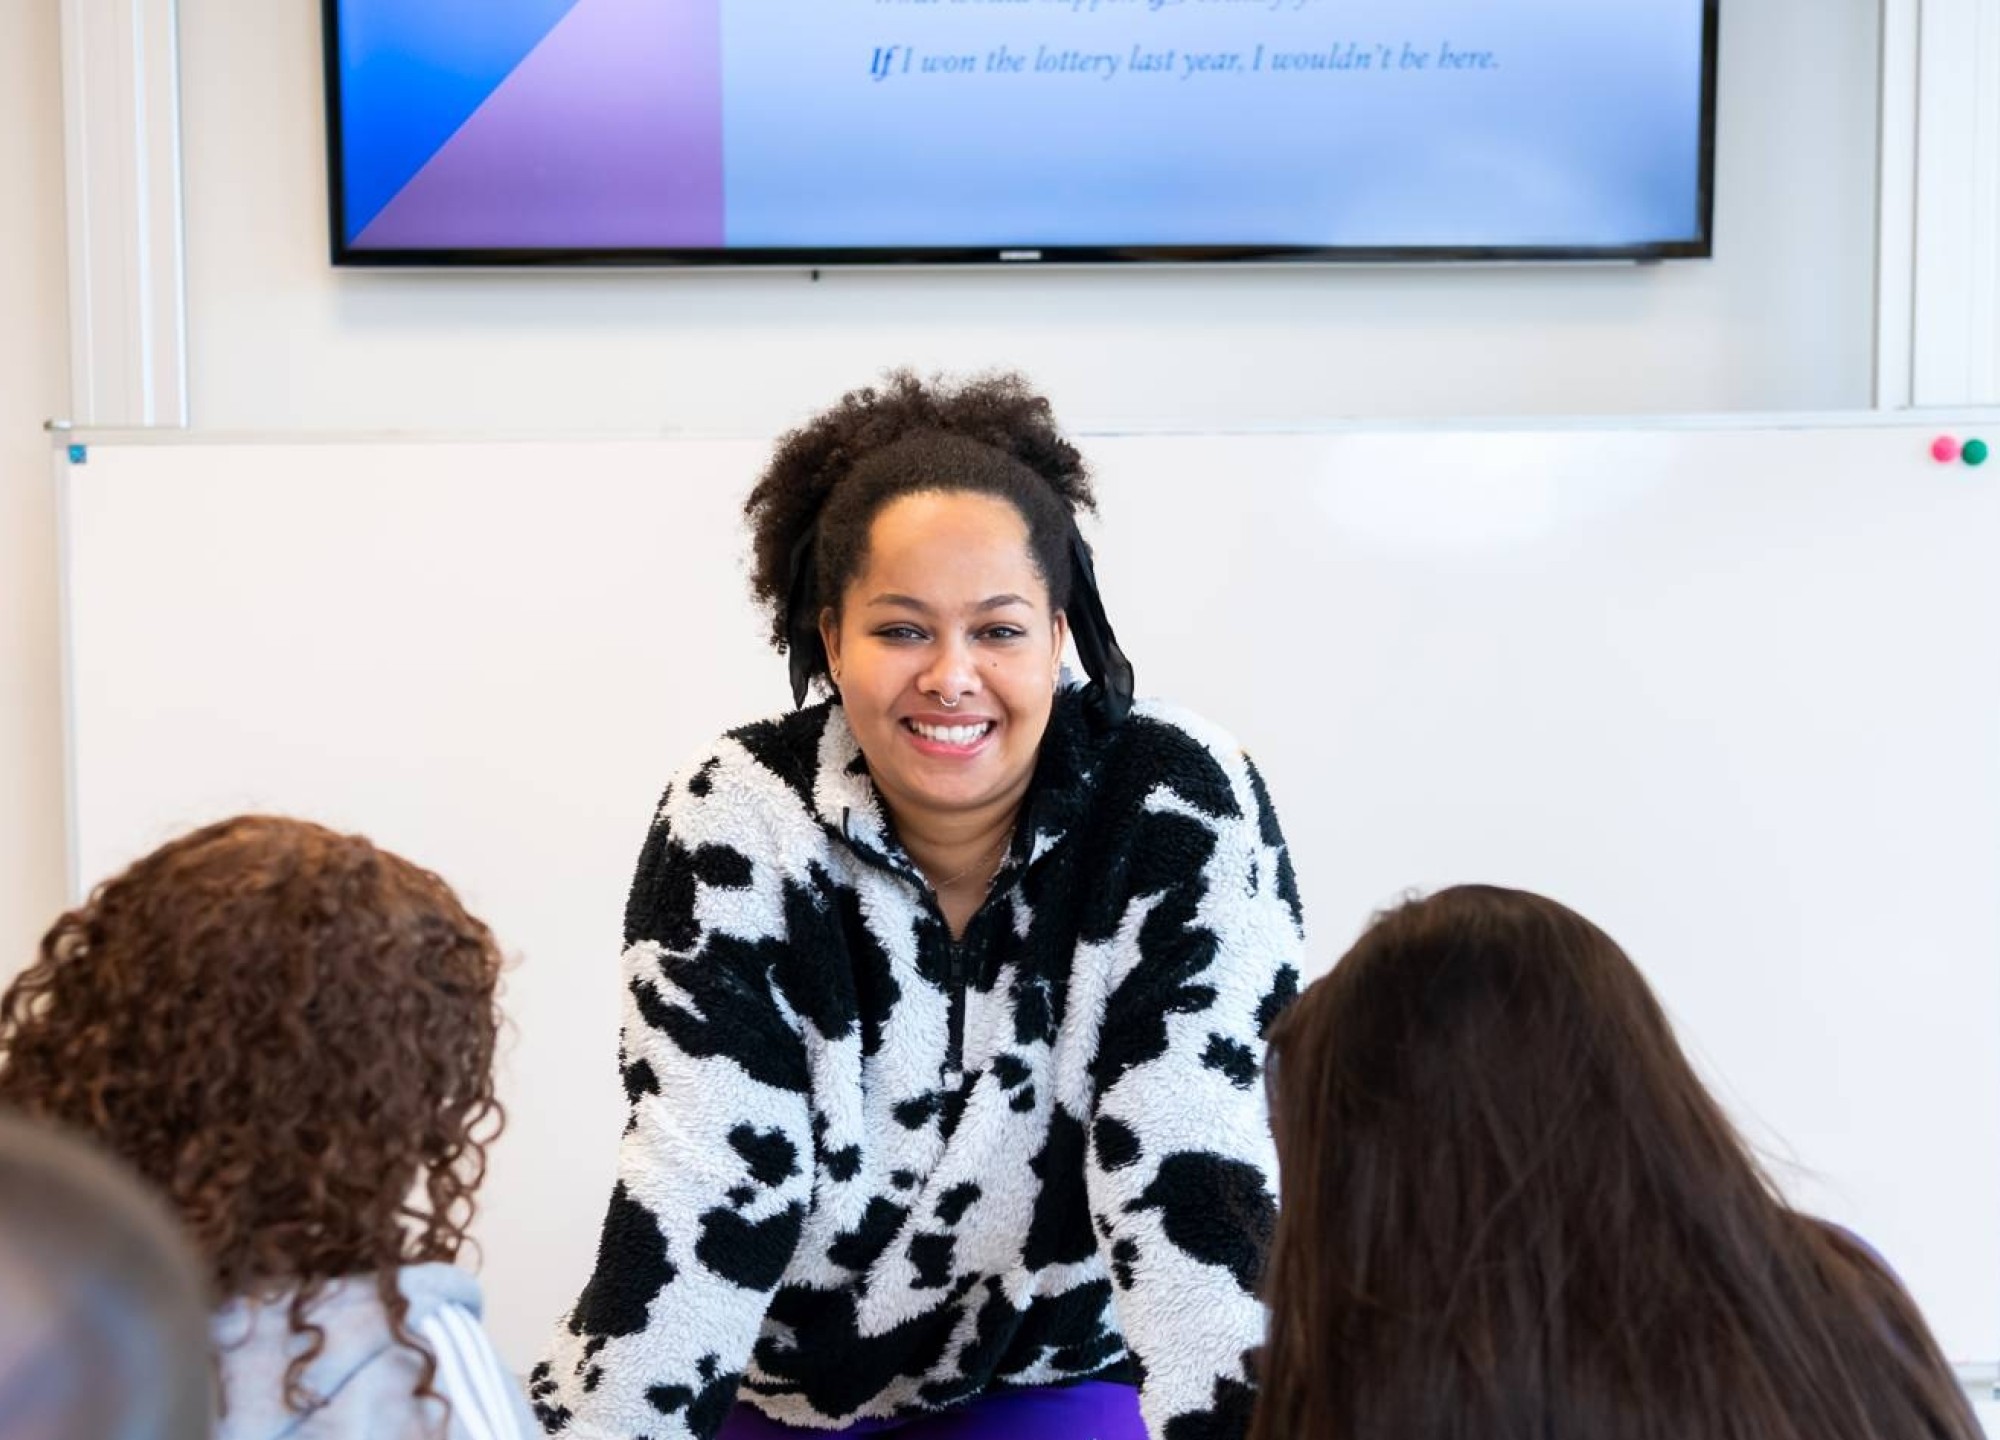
x=1781 y=319
x=34 y=385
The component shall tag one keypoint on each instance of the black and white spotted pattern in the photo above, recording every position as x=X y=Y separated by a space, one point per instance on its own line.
x=869 y=1171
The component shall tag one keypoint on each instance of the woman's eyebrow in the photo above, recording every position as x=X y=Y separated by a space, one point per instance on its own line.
x=910 y=602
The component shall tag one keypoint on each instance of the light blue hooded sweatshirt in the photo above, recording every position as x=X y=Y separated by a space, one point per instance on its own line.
x=363 y=1380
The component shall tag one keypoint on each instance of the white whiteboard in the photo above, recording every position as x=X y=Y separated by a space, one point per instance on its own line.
x=1732 y=692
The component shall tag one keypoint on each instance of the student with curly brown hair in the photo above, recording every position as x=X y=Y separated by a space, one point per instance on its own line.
x=944 y=995
x=290 y=1032
x=1512 y=1209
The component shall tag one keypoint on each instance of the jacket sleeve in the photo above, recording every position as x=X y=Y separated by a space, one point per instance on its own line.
x=485 y=1400
x=1181 y=1172
x=715 y=1168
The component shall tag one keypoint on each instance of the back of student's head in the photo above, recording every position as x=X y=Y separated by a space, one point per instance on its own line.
x=290 y=1032
x=1511 y=1209
x=103 y=1321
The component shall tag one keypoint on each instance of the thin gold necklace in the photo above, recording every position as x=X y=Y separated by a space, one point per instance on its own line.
x=990 y=858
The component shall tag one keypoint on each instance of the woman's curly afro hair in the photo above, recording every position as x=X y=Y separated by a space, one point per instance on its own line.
x=828 y=480
x=288 y=1031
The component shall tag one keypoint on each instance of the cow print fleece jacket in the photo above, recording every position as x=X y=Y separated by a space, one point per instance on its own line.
x=870 y=1171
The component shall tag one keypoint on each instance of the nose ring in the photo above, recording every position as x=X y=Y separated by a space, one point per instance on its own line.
x=948 y=704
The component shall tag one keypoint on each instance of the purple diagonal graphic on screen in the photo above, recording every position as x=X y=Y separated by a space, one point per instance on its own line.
x=609 y=134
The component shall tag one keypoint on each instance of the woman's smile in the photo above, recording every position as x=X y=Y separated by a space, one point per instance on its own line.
x=949 y=739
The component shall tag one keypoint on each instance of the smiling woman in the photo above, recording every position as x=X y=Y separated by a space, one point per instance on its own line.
x=946 y=994
x=946 y=652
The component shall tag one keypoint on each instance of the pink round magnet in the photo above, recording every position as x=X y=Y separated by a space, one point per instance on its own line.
x=1944 y=449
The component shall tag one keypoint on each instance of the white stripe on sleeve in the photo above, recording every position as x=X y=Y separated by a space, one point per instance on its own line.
x=471 y=1376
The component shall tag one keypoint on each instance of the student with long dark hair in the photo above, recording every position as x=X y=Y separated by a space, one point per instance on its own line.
x=1512 y=1210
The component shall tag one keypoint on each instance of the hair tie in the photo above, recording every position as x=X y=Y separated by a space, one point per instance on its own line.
x=1096 y=646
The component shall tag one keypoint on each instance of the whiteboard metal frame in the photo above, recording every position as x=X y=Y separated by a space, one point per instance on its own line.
x=1979 y=418
x=60 y=464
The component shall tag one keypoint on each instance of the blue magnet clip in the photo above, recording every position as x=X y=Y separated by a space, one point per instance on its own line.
x=79 y=454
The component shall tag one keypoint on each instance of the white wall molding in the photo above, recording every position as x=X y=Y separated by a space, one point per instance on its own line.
x=122 y=162
x=1896 y=205
x=1941 y=190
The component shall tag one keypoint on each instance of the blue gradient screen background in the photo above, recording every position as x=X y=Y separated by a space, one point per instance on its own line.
x=899 y=124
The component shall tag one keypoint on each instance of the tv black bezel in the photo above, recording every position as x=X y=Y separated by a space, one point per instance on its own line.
x=1027 y=256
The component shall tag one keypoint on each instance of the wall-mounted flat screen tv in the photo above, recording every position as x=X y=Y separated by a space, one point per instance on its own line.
x=843 y=132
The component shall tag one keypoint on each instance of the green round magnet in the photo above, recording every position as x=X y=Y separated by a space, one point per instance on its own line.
x=1974 y=453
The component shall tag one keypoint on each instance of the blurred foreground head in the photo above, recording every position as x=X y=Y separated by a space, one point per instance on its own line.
x=103 y=1320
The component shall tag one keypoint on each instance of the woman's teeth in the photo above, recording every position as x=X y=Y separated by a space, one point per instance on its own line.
x=951 y=734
